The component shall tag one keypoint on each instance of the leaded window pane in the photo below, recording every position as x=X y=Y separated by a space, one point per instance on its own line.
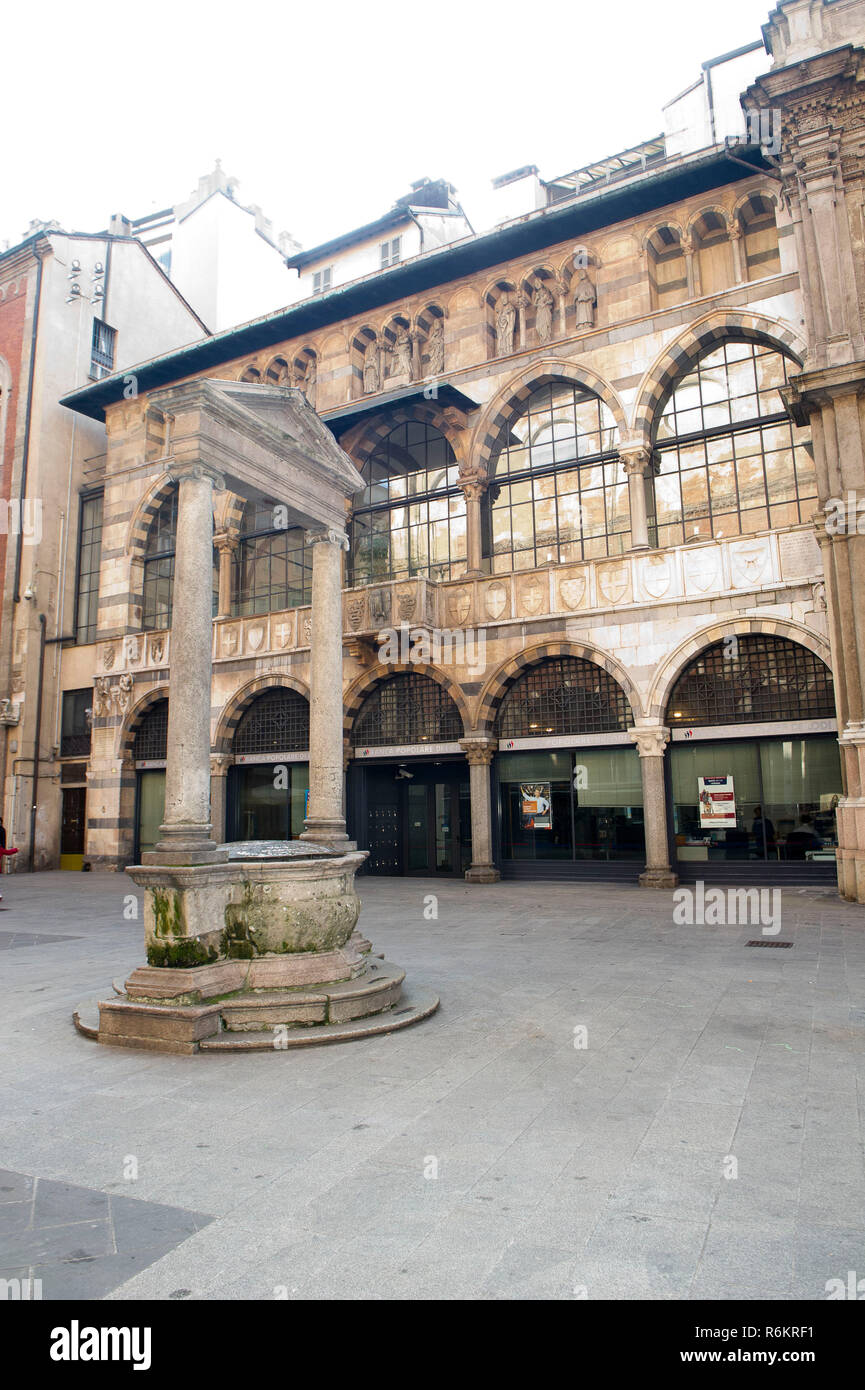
x=563 y=695
x=750 y=680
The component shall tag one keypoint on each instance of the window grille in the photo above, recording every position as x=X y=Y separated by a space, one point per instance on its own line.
x=407 y=709
x=564 y=695
x=151 y=738
x=751 y=680
x=276 y=722
x=102 y=349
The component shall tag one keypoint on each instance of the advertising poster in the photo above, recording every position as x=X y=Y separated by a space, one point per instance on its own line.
x=537 y=806
x=717 y=803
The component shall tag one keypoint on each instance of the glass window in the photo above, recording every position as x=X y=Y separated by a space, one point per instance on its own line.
x=158 y=586
x=572 y=512
x=414 y=461
x=75 y=723
x=731 y=398
x=277 y=721
x=786 y=792
x=407 y=709
x=585 y=804
x=272 y=565
x=268 y=801
x=89 y=556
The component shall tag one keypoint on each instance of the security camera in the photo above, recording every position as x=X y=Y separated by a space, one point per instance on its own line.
x=30 y=593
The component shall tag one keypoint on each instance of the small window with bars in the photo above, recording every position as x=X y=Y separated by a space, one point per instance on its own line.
x=391 y=252
x=322 y=280
x=102 y=350
x=151 y=737
x=564 y=695
x=407 y=709
x=276 y=722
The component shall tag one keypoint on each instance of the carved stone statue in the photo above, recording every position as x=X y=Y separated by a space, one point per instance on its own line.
x=101 y=697
x=435 y=346
x=506 y=317
x=402 y=365
x=308 y=382
x=370 y=368
x=585 y=301
x=543 y=302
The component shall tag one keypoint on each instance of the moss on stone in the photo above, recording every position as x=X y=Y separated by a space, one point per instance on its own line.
x=179 y=954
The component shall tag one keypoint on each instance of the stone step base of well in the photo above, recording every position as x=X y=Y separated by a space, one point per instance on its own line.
x=265 y=1019
x=411 y=1008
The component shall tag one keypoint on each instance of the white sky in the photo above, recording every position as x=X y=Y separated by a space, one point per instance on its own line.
x=326 y=112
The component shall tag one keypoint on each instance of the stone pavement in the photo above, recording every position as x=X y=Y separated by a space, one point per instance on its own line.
x=482 y=1154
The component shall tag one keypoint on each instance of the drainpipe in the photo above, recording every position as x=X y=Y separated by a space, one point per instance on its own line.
x=37 y=738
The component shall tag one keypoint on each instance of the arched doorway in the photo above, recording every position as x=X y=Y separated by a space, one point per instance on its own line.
x=755 y=772
x=409 y=802
x=567 y=776
x=268 y=784
x=148 y=754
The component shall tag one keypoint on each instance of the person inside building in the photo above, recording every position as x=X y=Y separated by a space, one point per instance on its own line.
x=764 y=833
x=803 y=838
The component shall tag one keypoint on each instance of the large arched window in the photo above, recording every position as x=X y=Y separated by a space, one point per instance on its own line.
x=276 y=721
x=751 y=680
x=407 y=709
x=558 y=491
x=411 y=516
x=272 y=566
x=563 y=695
x=159 y=553
x=731 y=462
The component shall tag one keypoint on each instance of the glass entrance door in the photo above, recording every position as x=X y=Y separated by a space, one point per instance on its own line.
x=415 y=818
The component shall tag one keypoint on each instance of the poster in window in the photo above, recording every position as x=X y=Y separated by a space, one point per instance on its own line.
x=717 y=803
x=537 y=805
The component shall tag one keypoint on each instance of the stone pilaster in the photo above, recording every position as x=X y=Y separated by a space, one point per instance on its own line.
x=479 y=755
x=325 y=823
x=219 y=765
x=185 y=835
x=640 y=469
x=738 y=253
x=651 y=745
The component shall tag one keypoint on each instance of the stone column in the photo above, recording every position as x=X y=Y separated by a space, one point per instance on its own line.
x=640 y=469
x=690 y=254
x=738 y=253
x=219 y=765
x=651 y=745
x=474 y=489
x=479 y=755
x=185 y=834
x=325 y=824
x=226 y=544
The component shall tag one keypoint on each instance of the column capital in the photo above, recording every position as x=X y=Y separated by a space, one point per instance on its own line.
x=638 y=459
x=226 y=540
x=181 y=470
x=651 y=742
x=479 y=751
x=326 y=535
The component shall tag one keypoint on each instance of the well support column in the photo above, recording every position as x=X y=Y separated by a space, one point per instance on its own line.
x=185 y=835
x=479 y=755
x=651 y=745
x=325 y=824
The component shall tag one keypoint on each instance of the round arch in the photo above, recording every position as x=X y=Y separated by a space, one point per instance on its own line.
x=362 y=441
x=507 y=404
x=697 y=339
x=135 y=718
x=499 y=682
x=365 y=684
x=671 y=668
x=142 y=518
x=235 y=708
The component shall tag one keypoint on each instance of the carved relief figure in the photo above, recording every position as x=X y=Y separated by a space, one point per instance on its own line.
x=101 y=697
x=585 y=301
x=123 y=693
x=402 y=354
x=506 y=317
x=370 y=368
x=435 y=345
x=543 y=302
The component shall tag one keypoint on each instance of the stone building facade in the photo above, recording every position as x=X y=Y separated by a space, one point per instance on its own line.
x=587 y=625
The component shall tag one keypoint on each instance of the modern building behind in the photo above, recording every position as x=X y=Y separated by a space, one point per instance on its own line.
x=73 y=308
x=589 y=627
